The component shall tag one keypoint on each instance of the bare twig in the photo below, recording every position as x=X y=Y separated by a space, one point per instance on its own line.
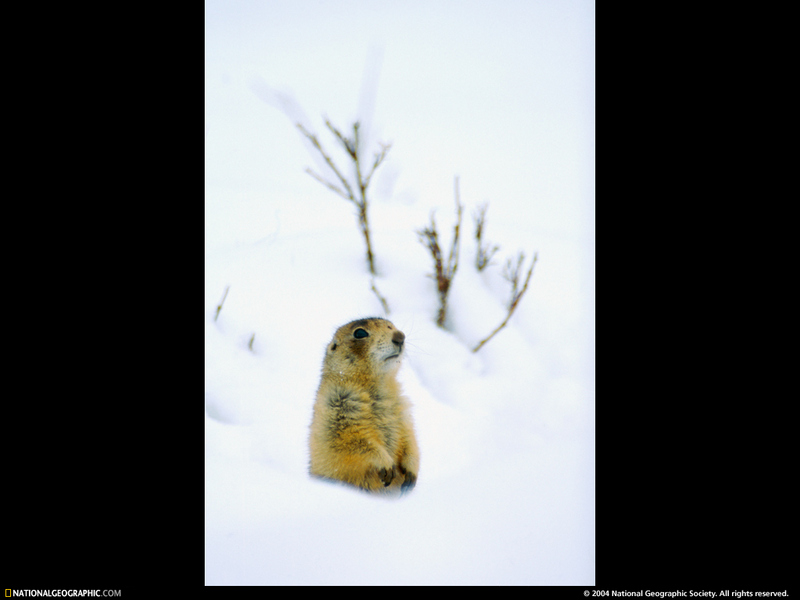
x=327 y=183
x=315 y=142
x=352 y=147
x=484 y=254
x=443 y=273
x=452 y=263
x=512 y=274
x=381 y=298
x=379 y=156
x=219 y=306
x=349 y=145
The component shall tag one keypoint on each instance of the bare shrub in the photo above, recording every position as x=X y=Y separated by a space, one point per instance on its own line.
x=485 y=253
x=511 y=273
x=443 y=272
x=356 y=193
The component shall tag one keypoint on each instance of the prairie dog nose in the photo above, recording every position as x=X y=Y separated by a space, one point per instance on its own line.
x=398 y=337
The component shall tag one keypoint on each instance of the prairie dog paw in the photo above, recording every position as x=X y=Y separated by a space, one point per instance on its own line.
x=386 y=475
x=409 y=483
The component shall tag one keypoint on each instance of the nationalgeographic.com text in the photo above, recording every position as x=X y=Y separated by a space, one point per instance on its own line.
x=63 y=593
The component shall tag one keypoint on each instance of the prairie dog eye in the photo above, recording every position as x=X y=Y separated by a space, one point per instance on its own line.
x=360 y=333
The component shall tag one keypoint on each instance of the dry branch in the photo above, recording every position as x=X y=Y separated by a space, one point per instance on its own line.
x=221 y=302
x=383 y=302
x=512 y=274
x=484 y=254
x=351 y=146
x=443 y=273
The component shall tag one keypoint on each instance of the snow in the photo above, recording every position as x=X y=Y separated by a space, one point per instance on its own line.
x=500 y=94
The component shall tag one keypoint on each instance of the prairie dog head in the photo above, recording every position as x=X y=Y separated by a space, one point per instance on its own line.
x=365 y=346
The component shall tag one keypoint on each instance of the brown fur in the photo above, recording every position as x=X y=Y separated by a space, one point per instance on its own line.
x=362 y=432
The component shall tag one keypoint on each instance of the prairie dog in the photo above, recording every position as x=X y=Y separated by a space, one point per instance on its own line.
x=362 y=432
